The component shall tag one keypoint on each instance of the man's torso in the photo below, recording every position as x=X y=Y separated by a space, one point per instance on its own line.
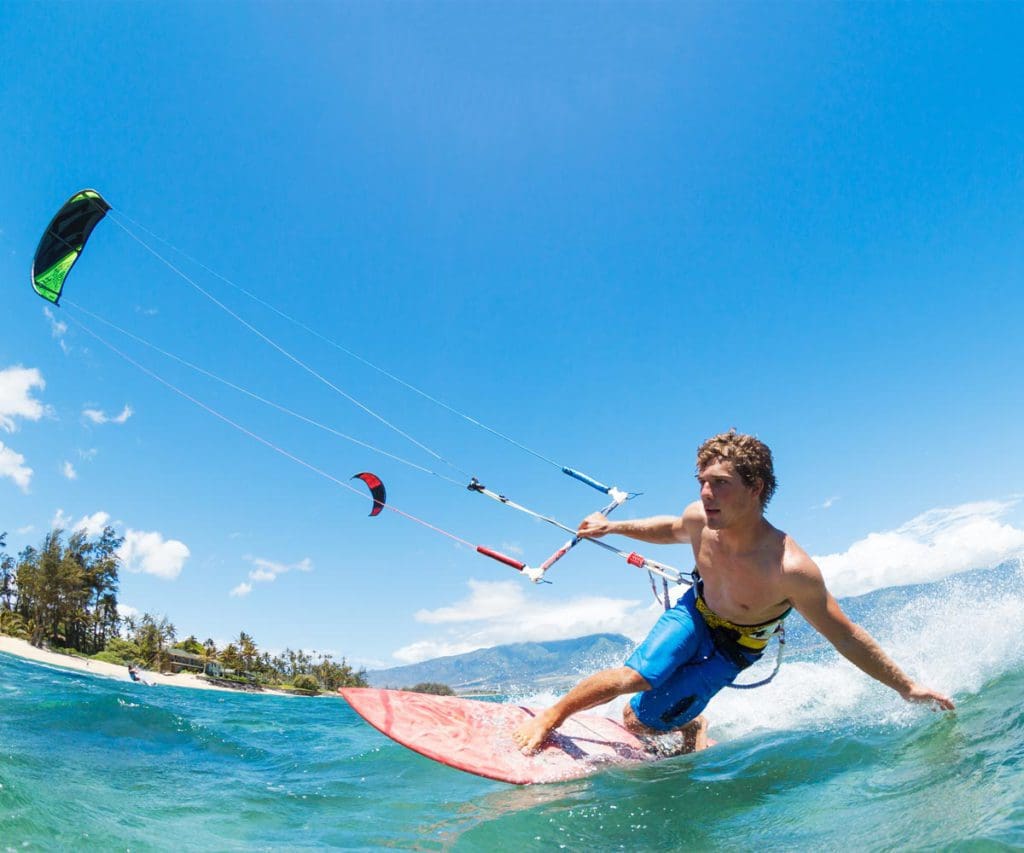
x=746 y=588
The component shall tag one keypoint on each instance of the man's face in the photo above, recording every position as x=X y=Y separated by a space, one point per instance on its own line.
x=726 y=498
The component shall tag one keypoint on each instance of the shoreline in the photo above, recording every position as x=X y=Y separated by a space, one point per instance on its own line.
x=26 y=651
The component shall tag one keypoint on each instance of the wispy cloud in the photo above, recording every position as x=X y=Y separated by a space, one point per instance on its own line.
x=934 y=545
x=58 y=329
x=267 y=571
x=829 y=502
x=68 y=470
x=98 y=416
x=502 y=612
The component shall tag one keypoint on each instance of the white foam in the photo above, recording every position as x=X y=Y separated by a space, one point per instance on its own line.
x=953 y=638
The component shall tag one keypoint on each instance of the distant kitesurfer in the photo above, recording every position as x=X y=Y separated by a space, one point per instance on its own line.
x=748 y=577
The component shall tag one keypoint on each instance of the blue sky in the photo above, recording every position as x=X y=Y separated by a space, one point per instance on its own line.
x=607 y=230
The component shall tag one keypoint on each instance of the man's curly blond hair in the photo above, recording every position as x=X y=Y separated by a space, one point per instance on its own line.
x=750 y=457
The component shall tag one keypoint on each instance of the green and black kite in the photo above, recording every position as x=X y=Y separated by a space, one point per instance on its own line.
x=64 y=240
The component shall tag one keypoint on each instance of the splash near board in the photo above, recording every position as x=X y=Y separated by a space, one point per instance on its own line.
x=477 y=736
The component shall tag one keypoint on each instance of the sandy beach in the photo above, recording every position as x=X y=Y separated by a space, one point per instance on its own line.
x=24 y=649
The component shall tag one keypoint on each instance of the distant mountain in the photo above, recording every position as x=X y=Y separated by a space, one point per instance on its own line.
x=554 y=665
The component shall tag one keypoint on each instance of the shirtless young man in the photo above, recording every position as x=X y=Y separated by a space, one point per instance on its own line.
x=748 y=576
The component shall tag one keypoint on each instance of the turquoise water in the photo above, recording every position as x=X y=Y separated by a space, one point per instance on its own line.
x=822 y=758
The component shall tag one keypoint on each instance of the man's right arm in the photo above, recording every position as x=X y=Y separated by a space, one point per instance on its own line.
x=658 y=529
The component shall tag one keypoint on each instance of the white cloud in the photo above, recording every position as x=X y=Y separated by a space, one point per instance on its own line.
x=88 y=455
x=61 y=520
x=24 y=531
x=149 y=553
x=501 y=612
x=829 y=502
x=126 y=611
x=430 y=649
x=98 y=416
x=934 y=545
x=266 y=571
x=16 y=400
x=929 y=547
x=12 y=465
x=68 y=470
x=92 y=524
x=488 y=600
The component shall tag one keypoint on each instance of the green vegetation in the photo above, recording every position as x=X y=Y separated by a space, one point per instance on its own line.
x=65 y=596
x=305 y=682
x=433 y=688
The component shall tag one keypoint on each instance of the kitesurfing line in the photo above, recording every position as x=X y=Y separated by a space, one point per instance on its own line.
x=253 y=395
x=618 y=496
x=535 y=574
x=293 y=358
x=115 y=216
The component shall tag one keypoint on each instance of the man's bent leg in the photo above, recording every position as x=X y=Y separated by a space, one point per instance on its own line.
x=693 y=736
x=594 y=690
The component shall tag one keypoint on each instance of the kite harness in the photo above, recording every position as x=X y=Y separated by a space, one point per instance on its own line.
x=733 y=640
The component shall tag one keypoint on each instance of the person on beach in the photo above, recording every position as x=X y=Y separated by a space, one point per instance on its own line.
x=748 y=577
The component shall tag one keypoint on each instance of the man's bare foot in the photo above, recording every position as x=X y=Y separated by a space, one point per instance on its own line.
x=532 y=734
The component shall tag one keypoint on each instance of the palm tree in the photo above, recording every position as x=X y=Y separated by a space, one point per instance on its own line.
x=247 y=650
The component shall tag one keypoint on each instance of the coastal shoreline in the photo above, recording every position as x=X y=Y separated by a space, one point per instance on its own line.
x=26 y=651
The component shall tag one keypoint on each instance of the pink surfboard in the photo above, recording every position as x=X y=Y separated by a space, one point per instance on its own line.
x=477 y=736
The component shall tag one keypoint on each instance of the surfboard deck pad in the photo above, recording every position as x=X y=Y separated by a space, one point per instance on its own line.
x=476 y=736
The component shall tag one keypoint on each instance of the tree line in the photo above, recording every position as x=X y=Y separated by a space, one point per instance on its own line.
x=64 y=594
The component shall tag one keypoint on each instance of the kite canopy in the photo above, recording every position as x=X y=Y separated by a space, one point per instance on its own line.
x=376 y=489
x=63 y=241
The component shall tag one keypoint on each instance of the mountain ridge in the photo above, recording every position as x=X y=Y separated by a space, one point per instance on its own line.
x=504 y=668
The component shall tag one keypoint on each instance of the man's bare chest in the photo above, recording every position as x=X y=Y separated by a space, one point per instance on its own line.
x=746 y=589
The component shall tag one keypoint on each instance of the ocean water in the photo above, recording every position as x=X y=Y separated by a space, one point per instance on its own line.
x=822 y=758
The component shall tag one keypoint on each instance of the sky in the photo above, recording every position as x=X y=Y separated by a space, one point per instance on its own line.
x=605 y=230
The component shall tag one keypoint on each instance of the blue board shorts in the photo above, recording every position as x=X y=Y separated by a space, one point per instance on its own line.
x=684 y=667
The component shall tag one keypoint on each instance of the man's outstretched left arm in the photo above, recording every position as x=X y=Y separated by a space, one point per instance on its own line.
x=817 y=605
